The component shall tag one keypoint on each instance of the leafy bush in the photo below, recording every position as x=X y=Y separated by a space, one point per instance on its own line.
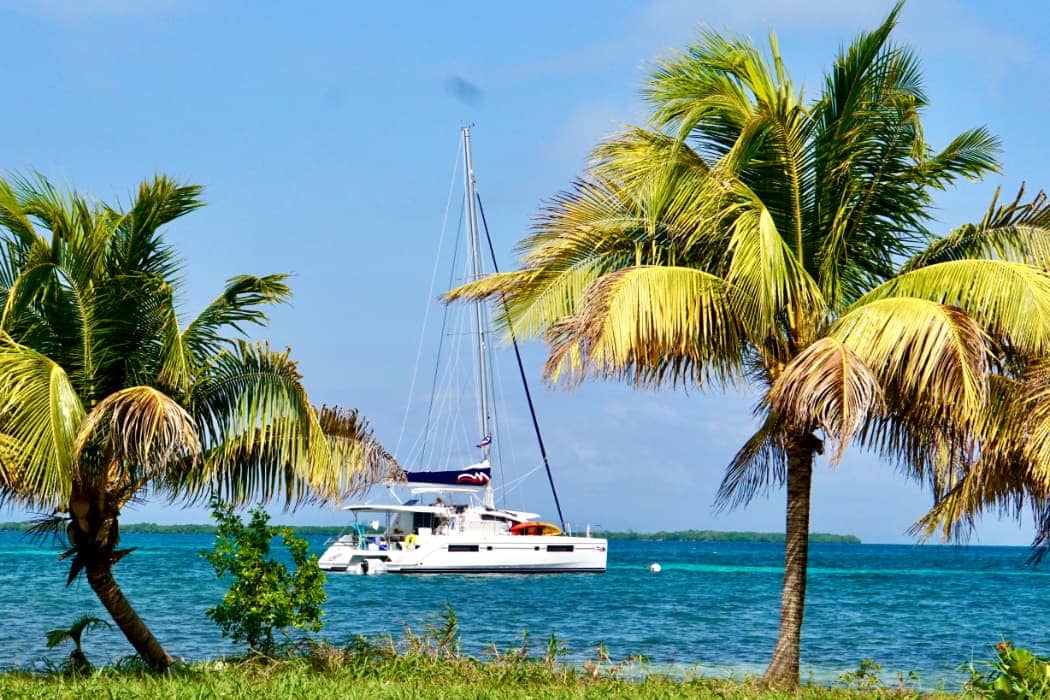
x=1016 y=673
x=263 y=596
x=866 y=677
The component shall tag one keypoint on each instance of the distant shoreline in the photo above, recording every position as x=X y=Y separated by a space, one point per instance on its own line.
x=723 y=536
x=676 y=535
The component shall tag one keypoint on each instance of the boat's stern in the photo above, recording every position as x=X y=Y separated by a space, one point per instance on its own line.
x=337 y=556
x=345 y=556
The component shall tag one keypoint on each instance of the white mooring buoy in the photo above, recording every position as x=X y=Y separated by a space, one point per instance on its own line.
x=654 y=567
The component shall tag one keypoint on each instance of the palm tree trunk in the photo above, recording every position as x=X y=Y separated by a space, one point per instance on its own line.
x=783 y=668
x=100 y=577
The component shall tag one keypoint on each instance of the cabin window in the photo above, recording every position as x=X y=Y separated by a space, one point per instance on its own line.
x=423 y=520
x=462 y=548
x=559 y=548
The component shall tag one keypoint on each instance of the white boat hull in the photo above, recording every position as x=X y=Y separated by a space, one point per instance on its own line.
x=494 y=554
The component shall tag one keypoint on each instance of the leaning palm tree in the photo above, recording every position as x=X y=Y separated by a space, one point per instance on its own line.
x=107 y=395
x=750 y=236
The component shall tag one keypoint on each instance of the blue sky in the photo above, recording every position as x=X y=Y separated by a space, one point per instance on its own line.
x=325 y=135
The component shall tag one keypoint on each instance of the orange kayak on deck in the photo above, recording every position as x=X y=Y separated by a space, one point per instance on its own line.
x=535 y=528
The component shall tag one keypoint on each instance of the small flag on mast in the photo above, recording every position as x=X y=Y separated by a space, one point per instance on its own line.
x=485 y=441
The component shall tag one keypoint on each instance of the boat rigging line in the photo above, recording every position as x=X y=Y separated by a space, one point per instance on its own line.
x=521 y=367
x=441 y=338
x=430 y=296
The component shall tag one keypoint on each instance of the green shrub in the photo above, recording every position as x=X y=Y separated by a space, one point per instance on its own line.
x=263 y=596
x=1015 y=674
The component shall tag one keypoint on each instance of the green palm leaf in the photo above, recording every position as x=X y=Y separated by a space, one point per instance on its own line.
x=1016 y=232
x=262 y=437
x=239 y=304
x=1010 y=300
x=759 y=464
x=652 y=324
x=931 y=357
x=39 y=416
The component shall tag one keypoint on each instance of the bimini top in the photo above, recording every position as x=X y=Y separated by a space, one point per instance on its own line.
x=475 y=475
x=396 y=508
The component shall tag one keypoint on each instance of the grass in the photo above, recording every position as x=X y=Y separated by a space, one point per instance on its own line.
x=420 y=665
x=331 y=674
x=438 y=681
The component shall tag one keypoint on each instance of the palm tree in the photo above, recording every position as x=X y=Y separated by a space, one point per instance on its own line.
x=750 y=236
x=108 y=396
x=77 y=661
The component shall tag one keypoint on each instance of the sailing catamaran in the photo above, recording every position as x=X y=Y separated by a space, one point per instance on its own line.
x=451 y=523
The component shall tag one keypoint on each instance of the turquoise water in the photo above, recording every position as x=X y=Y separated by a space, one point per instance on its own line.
x=715 y=605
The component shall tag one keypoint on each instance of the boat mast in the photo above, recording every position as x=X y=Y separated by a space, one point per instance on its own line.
x=479 y=311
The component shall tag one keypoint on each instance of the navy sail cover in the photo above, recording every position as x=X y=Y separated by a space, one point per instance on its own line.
x=476 y=476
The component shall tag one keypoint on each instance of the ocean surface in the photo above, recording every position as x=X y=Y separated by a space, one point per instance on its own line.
x=714 y=607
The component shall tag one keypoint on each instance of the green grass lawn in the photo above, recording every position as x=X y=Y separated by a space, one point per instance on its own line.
x=300 y=682
x=428 y=663
x=333 y=673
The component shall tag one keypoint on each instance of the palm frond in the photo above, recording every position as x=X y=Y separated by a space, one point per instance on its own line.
x=829 y=386
x=1015 y=231
x=1006 y=474
x=769 y=278
x=707 y=92
x=56 y=637
x=50 y=526
x=264 y=440
x=626 y=214
x=874 y=171
x=535 y=299
x=75 y=631
x=760 y=465
x=87 y=622
x=972 y=155
x=651 y=325
x=741 y=113
x=55 y=210
x=239 y=304
x=40 y=413
x=139 y=432
x=139 y=247
x=17 y=226
x=1010 y=300
x=1011 y=470
x=352 y=442
x=929 y=357
x=670 y=194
